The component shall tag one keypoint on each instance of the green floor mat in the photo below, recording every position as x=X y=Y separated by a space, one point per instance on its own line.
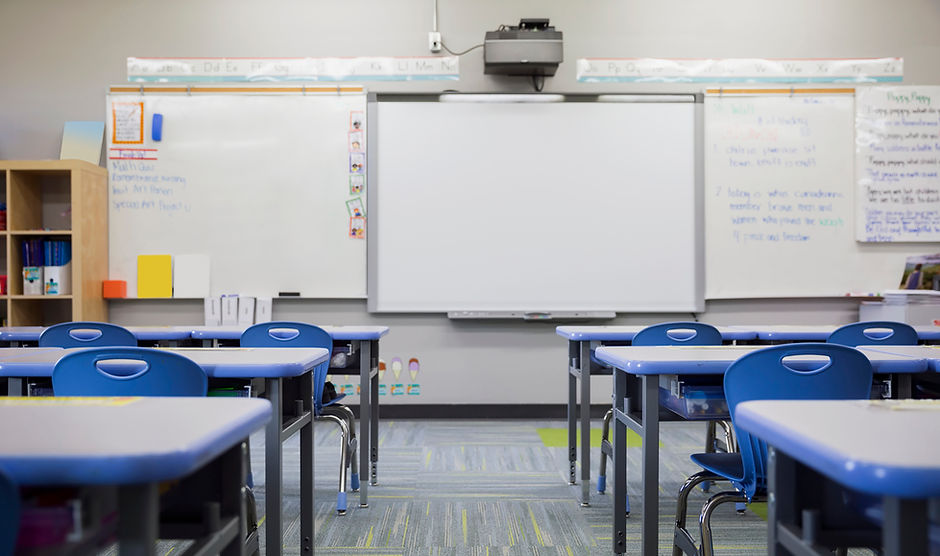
x=759 y=509
x=558 y=438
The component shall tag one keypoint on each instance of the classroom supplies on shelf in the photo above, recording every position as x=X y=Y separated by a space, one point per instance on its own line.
x=154 y=276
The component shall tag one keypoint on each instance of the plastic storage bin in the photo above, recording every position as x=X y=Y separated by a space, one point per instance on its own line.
x=693 y=399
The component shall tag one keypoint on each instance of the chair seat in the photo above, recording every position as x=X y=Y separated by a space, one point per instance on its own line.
x=730 y=466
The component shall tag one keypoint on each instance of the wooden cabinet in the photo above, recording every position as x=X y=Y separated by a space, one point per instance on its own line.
x=55 y=200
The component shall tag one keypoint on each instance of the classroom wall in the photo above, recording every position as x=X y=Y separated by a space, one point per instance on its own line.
x=57 y=57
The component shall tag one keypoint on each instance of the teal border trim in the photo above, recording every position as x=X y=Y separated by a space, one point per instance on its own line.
x=242 y=78
x=705 y=79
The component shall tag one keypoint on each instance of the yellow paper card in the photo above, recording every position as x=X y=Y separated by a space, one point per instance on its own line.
x=154 y=276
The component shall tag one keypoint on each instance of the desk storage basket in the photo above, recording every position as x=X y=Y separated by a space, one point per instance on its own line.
x=693 y=398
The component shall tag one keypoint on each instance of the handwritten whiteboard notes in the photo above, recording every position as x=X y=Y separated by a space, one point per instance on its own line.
x=897 y=164
x=137 y=185
x=778 y=194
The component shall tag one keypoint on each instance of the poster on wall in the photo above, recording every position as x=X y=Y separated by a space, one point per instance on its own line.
x=897 y=132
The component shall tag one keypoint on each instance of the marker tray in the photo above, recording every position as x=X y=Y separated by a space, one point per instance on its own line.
x=693 y=398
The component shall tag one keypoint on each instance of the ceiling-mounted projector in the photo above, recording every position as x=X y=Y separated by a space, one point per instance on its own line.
x=532 y=48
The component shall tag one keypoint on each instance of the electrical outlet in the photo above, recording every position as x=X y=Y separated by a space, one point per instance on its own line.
x=434 y=41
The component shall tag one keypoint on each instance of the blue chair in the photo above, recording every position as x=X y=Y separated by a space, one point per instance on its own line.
x=9 y=514
x=86 y=334
x=127 y=371
x=678 y=333
x=773 y=373
x=873 y=333
x=298 y=334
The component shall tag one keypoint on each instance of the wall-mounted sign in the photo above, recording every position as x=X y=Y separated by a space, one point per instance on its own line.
x=740 y=70
x=418 y=68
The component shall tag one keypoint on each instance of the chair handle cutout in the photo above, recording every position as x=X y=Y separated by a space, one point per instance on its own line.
x=122 y=368
x=85 y=334
x=283 y=334
x=806 y=363
x=878 y=334
x=681 y=334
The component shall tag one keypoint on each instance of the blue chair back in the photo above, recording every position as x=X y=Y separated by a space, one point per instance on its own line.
x=86 y=334
x=678 y=334
x=9 y=513
x=294 y=334
x=873 y=333
x=778 y=373
x=127 y=371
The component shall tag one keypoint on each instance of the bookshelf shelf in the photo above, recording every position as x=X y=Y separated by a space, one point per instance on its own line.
x=55 y=200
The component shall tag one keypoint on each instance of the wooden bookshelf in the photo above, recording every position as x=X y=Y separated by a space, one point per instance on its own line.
x=55 y=199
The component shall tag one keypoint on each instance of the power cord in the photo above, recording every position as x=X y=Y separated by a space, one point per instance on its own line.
x=452 y=53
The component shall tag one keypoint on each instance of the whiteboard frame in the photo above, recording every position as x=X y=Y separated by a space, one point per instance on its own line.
x=698 y=163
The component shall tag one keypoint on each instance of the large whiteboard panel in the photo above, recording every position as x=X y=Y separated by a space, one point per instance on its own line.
x=495 y=205
x=898 y=168
x=780 y=203
x=258 y=182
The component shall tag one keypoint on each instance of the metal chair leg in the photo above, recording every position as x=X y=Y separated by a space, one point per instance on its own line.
x=706 y=548
x=682 y=503
x=350 y=417
x=344 y=457
x=602 y=468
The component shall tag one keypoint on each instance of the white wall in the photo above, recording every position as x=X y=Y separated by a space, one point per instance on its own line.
x=57 y=58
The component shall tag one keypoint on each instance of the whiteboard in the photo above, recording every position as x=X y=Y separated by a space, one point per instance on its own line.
x=780 y=200
x=258 y=182
x=898 y=169
x=509 y=203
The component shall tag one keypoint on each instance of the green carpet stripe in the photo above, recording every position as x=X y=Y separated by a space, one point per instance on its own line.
x=558 y=438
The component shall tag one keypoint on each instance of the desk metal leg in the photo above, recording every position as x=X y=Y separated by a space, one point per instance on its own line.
x=307 y=510
x=905 y=526
x=585 y=424
x=650 y=525
x=574 y=370
x=273 y=465
x=365 y=422
x=139 y=512
x=374 y=407
x=620 y=463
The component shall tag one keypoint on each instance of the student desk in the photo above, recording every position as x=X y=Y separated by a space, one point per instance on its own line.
x=819 y=332
x=820 y=446
x=15 y=335
x=131 y=445
x=363 y=340
x=638 y=407
x=288 y=377
x=581 y=341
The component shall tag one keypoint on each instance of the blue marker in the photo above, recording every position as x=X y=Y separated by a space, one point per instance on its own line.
x=156 y=127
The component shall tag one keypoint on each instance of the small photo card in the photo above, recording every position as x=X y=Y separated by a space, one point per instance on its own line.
x=355 y=142
x=357 y=184
x=355 y=120
x=355 y=208
x=357 y=163
x=357 y=227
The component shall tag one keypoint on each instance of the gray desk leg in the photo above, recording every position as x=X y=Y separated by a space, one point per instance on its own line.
x=138 y=518
x=905 y=526
x=620 y=464
x=14 y=386
x=585 y=424
x=574 y=367
x=781 y=498
x=374 y=408
x=307 y=510
x=650 y=525
x=365 y=422
x=273 y=466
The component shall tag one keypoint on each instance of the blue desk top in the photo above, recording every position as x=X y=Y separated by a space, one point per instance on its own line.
x=627 y=332
x=146 y=333
x=216 y=362
x=714 y=360
x=930 y=353
x=337 y=332
x=889 y=447
x=89 y=441
x=817 y=332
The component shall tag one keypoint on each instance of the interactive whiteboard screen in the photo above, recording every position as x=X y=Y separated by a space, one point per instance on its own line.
x=511 y=203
